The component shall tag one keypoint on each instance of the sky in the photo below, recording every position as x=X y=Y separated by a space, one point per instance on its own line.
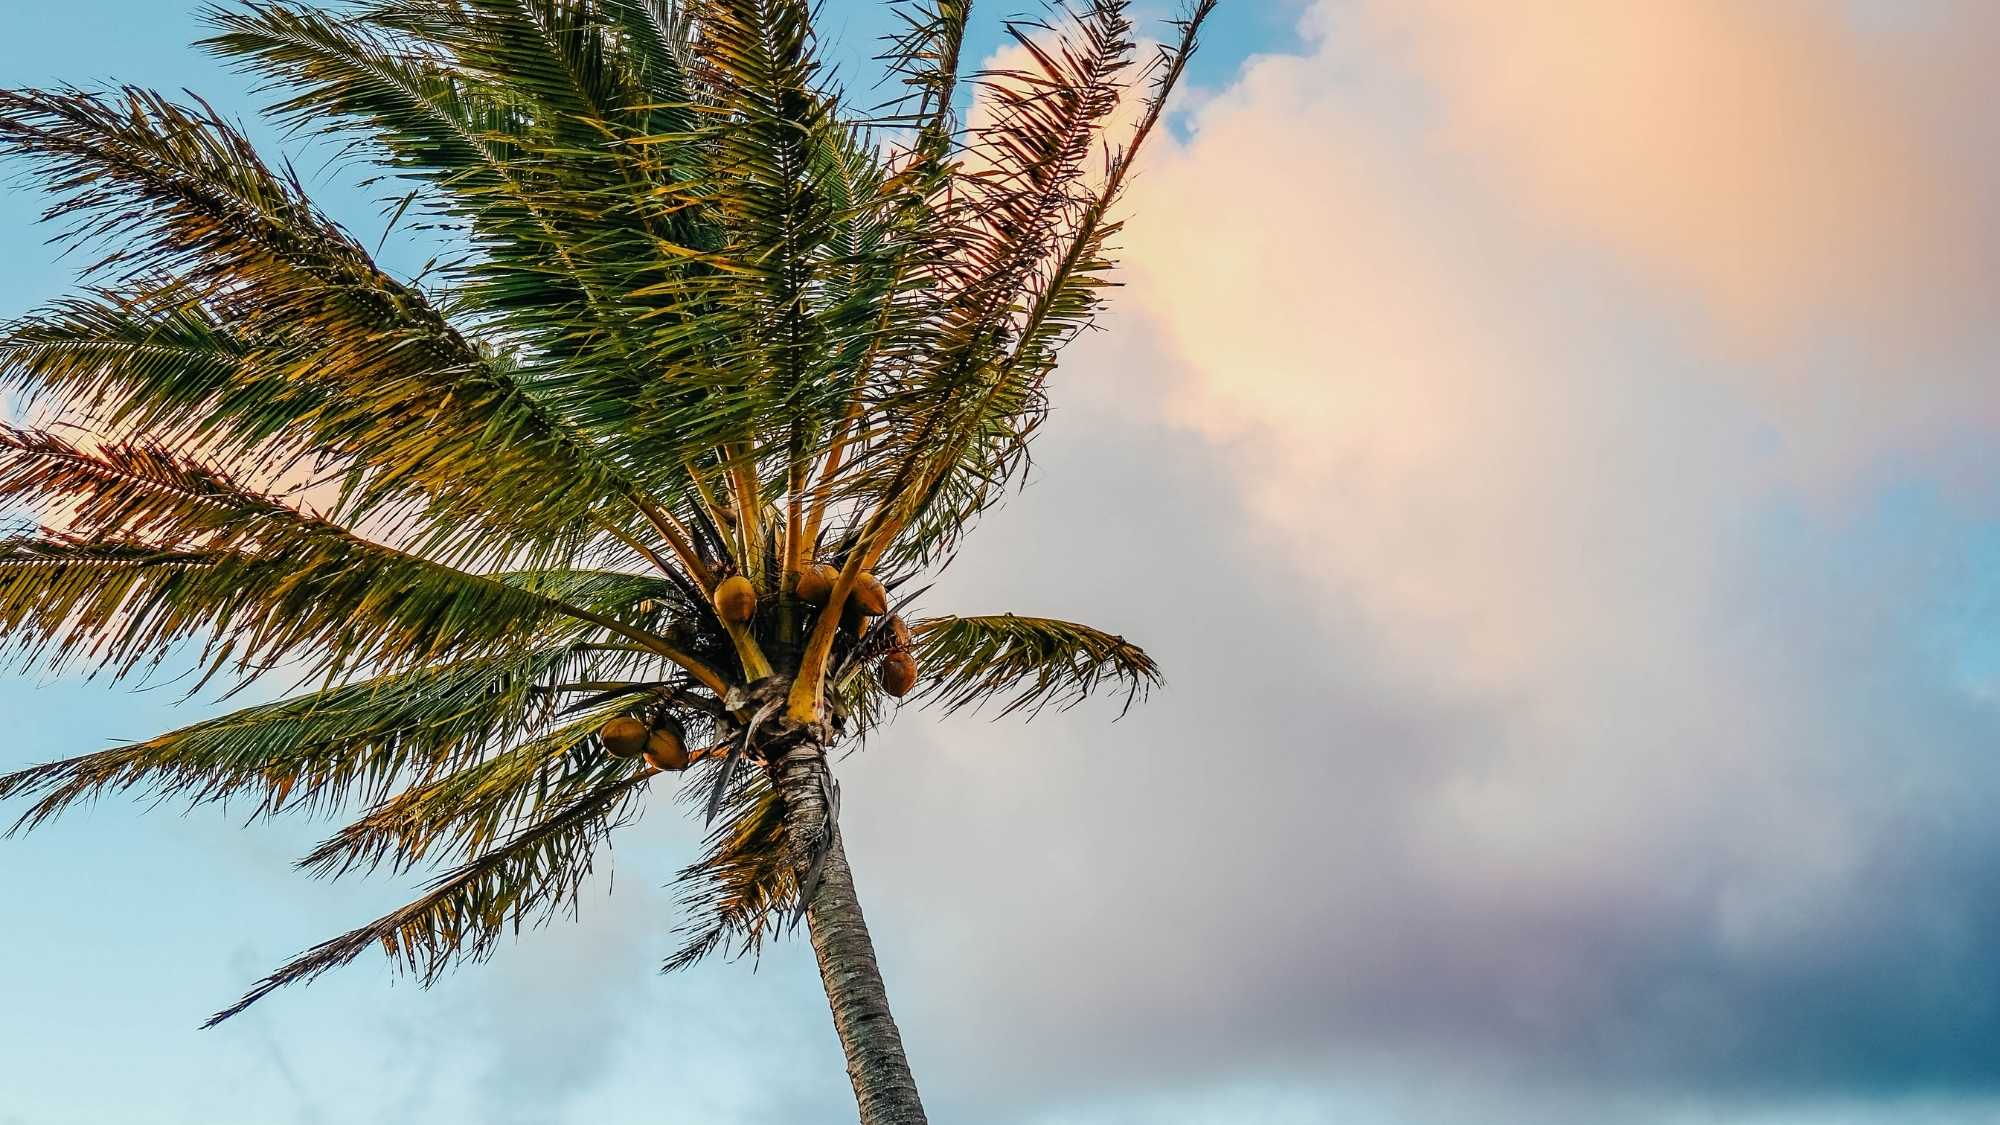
x=1548 y=447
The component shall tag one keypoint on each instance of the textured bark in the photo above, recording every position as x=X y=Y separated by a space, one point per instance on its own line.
x=875 y=1062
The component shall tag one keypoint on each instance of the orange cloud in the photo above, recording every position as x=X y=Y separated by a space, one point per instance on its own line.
x=1768 y=157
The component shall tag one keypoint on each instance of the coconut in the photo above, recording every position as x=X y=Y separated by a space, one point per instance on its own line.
x=869 y=595
x=736 y=600
x=816 y=584
x=899 y=631
x=899 y=673
x=624 y=736
x=666 y=751
x=852 y=619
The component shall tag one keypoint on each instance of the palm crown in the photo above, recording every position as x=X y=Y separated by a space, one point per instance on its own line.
x=722 y=370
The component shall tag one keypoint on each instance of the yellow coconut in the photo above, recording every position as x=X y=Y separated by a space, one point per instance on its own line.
x=870 y=595
x=736 y=600
x=624 y=736
x=899 y=673
x=899 y=631
x=666 y=751
x=816 y=584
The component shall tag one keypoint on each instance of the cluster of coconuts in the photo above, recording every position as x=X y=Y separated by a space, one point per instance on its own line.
x=869 y=597
x=736 y=603
x=662 y=744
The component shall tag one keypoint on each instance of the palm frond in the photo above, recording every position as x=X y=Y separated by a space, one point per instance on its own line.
x=1024 y=184
x=1040 y=661
x=561 y=55
x=923 y=57
x=736 y=895
x=975 y=451
x=465 y=811
x=658 y=40
x=165 y=549
x=424 y=416
x=527 y=880
x=172 y=370
x=318 y=750
x=773 y=130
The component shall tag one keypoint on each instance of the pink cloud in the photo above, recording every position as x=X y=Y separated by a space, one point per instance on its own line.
x=1774 y=159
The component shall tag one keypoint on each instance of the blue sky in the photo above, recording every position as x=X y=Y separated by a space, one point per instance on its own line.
x=1549 y=450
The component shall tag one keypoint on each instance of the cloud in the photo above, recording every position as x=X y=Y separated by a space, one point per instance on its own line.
x=1769 y=157
x=1543 y=452
x=1807 y=179
x=1549 y=456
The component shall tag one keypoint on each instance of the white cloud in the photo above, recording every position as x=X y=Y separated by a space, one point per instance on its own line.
x=1542 y=450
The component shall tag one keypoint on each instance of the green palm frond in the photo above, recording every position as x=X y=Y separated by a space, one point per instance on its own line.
x=171 y=370
x=424 y=414
x=465 y=811
x=165 y=549
x=657 y=36
x=781 y=162
x=527 y=880
x=923 y=57
x=465 y=139
x=319 y=750
x=433 y=123
x=1039 y=660
x=559 y=55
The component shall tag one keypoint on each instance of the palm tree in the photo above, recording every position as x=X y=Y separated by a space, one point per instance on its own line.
x=643 y=478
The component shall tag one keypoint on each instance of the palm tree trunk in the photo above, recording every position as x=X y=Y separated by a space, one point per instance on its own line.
x=875 y=1061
